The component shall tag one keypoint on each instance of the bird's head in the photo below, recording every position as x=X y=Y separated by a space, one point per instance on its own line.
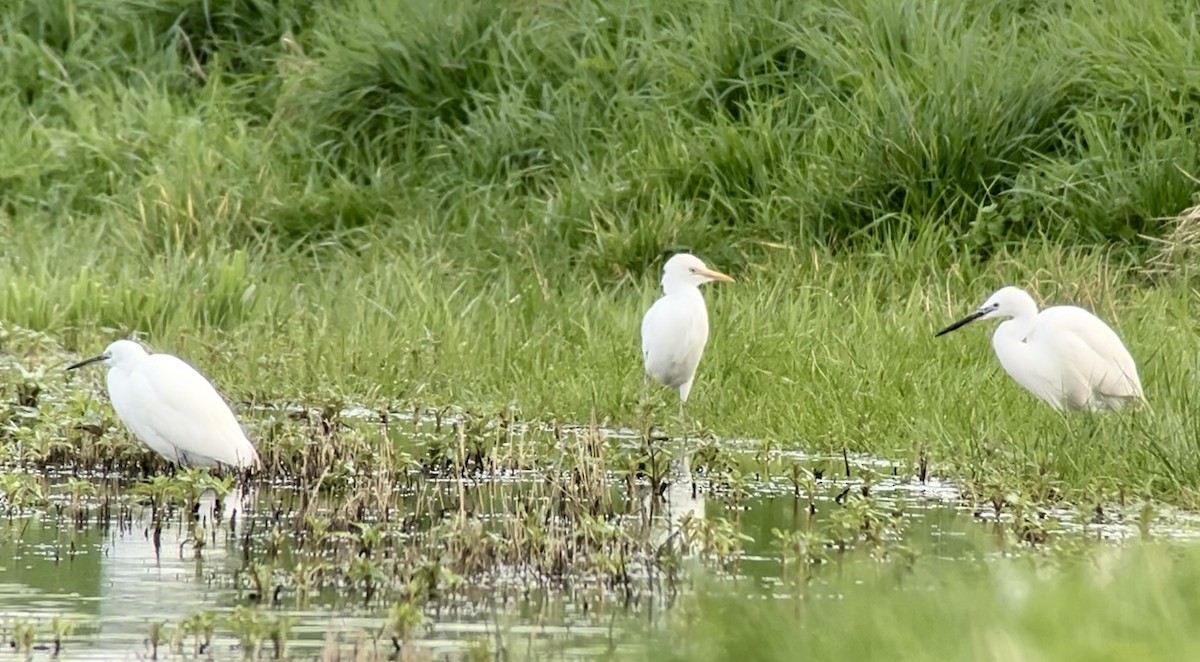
x=118 y=353
x=686 y=270
x=1004 y=303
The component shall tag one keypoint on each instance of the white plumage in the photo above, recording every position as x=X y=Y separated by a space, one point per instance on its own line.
x=173 y=409
x=675 y=329
x=1065 y=355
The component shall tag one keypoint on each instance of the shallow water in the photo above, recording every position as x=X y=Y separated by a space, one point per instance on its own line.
x=596 y=561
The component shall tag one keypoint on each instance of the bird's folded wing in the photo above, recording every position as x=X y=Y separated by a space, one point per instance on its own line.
x=182 y=407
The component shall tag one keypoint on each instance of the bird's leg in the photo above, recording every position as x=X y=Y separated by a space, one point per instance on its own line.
x=683 y=419
x=646 y=417
x=683 y=443
x=644 y=400
x=652 y=449
x=686 y=461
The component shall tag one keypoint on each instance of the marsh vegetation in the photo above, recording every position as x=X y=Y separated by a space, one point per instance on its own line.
x=411 y=242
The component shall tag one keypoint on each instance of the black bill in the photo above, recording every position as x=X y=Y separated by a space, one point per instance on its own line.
x=961 y=323
x=94 y=359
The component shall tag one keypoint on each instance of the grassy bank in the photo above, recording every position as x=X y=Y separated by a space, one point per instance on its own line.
x=808 y=352
x=465 y=204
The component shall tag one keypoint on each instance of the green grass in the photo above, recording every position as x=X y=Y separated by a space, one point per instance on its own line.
x=819 y=353
x=466 y=204
x=1111 y=603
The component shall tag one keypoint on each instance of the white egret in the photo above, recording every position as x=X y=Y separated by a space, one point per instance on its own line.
x=675 y=329
x=173 y=409
x=1064 y=355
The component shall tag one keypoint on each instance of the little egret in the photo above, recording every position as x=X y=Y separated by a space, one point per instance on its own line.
x=1064 y=355
x=675 y=329
x=173 y=409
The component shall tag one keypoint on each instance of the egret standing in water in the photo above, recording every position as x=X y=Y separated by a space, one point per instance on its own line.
x=1064 y=355
x=675 y=329
x=173 y=409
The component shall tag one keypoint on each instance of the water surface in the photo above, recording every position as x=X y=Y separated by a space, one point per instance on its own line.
x=551 y=560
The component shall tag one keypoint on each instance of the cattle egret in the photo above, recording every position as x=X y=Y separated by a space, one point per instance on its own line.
x=173 y=409
x=1064 y=355
x=675 y=329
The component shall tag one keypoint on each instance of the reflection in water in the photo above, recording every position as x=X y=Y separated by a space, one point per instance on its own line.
x=141 y=584
x=681 y=507
x=113 y=580
x=47 y=570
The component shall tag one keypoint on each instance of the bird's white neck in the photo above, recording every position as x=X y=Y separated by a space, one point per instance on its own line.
x=1011 y=331
x=1014 y=331
x=683 y=291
